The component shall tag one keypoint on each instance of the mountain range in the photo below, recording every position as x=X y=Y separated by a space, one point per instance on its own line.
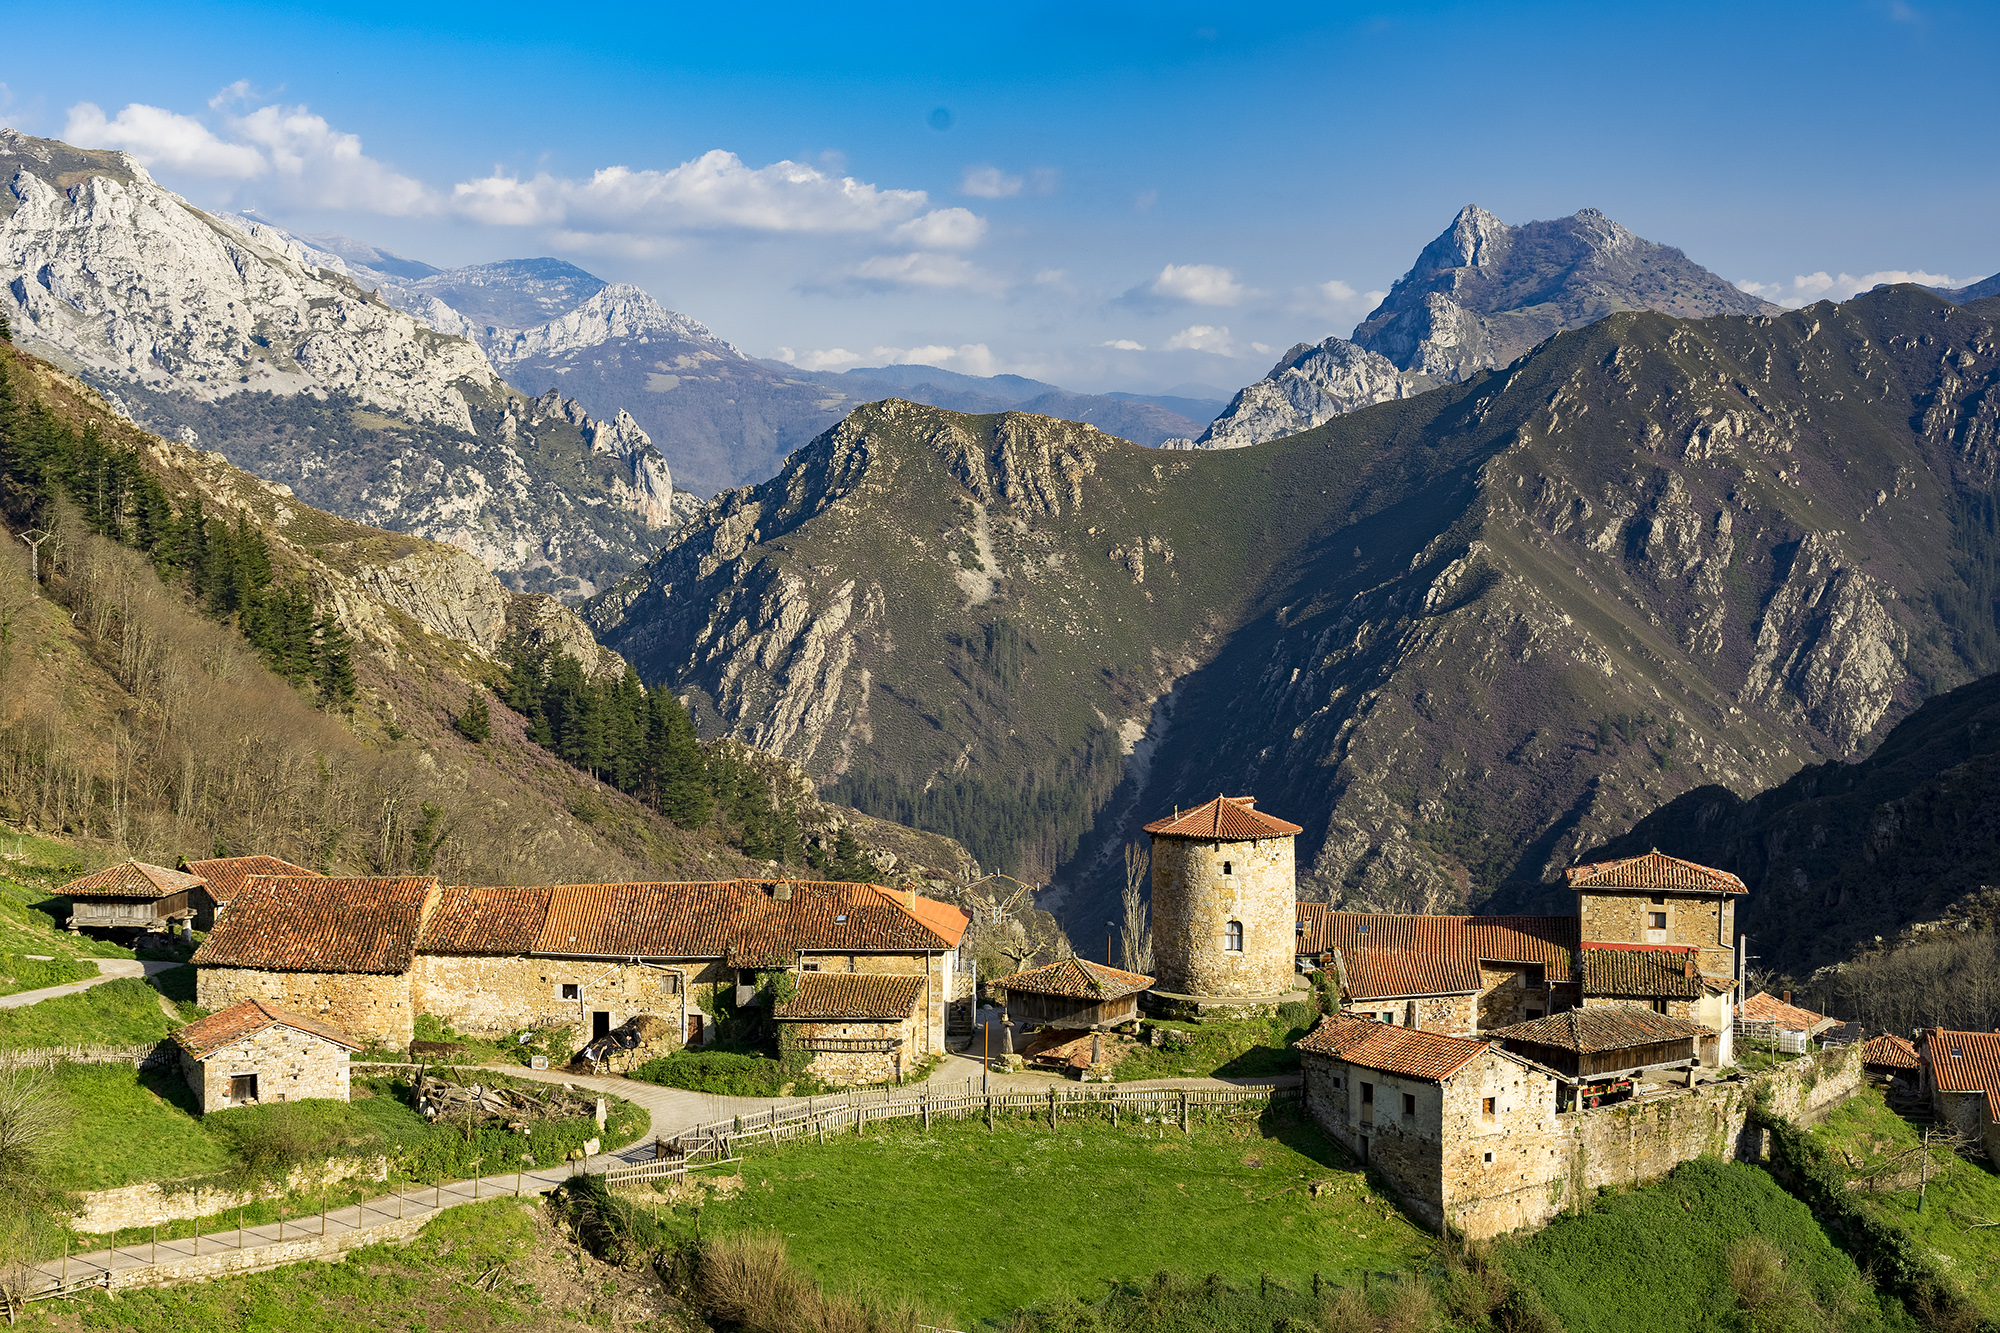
x=1458 y=636
x=1479 y=296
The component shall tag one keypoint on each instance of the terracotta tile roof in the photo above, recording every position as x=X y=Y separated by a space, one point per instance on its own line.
x=1603 y=1027
x=1644 y=972
x=485 y=921
x=1393 y=1050
x=1078 y=978
x=1890 y=1050
x=205 y=1036
x=130 y=879
x=1964 y=1062
x=742 y=921
x=1380 y=974
x=1654 y=870
x=852 y=995
x=317 y=924
x=1764 y=1007
x=1451 y=947
x=1226 y=819
x=226 y=875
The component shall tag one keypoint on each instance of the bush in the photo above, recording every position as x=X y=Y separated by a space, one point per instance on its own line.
x=729 y=1073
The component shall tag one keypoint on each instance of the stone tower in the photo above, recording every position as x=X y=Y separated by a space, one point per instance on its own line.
x=1225 y=906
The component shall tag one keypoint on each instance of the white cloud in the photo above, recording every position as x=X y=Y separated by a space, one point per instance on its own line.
x=1124 y=345
x=989 y=182
x=1199 y=284
x=967 y=359
x=1201 y=338
x=1805 y=288
x=239 y=91
x=161 y=138
x=949 y=228
x=326 y=168
x=712 y=192
x=1261 y=348
x=922 y=269
x=1052 y=277
x=1336 y=290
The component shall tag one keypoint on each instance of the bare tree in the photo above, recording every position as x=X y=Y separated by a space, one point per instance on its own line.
x=1137 y=946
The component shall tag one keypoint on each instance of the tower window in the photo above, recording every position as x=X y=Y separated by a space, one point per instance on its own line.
x=1225 y=867
x=1232 y=937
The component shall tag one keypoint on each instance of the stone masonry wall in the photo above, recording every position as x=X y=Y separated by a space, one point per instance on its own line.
x=369 y=1008
x=1403 y=1148
x=848 y=1068
x=492 y=997
x=1506 y=998
x=1708 y=923
x=1496 y=1167
x=928 y=1036
x=1452 y=1014
x=105 y=1211
x=289 y=1065
x=1194 y=901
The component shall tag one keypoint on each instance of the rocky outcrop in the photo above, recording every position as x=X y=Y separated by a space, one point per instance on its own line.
x=1479 y=296
x=618 y=311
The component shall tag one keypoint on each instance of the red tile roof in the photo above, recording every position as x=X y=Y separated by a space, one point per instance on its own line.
x=130 y=879
x=1601 y=1027
x=1964 y=1062
x=1077 y=978
x=226 y=875
x=1654 y=870
x=860 y=996
x=1764 y=1007
x=1393 y=1050
x=1889 y=1050
x=485 y=921
x=743 y=921
x=1643 y=972
x=1381 y=974
x=318 y=924
x=1224 y=819
x=1446 y=945
x=205 y=1036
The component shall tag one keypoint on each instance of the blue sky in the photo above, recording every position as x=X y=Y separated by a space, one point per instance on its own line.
x=1135 y=196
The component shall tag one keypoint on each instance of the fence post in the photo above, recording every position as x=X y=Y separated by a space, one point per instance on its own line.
x=989 y=1113
x=1052 y=1108
x=1185 y=1129
x=927 y=1114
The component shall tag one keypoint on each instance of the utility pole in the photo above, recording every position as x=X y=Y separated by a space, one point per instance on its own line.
x=34 y=537
x=1110 y=935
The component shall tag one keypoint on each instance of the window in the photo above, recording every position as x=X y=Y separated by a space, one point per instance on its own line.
x=1659 y=900
x=1489 y=1157
x=1368 y=1094
x=1409 y=1103
x=572 y=990
x=1232 y=937
x=1225 y=867
x=1486 y=1107
x=1659 y=1006
x=1656 y=920
x=808 y=967
x=1534 y=1014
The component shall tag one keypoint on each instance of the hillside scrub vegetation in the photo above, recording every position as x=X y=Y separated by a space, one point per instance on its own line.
x=1230 y=1048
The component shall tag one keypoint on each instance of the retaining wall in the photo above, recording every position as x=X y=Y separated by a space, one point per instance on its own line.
x=105 y=1211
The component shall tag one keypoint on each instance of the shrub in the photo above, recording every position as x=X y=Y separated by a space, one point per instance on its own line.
x=726 y=1072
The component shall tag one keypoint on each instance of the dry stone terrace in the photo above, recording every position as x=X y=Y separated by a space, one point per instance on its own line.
x=369 y=955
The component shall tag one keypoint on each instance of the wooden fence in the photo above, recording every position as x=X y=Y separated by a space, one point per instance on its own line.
x=152 y=1055
x=817 y=1117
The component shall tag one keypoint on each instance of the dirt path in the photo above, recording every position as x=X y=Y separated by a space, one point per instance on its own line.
x=109 y=969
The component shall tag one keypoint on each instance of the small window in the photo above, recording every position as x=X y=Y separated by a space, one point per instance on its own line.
x=1659 y=1006
x=1486 y=1107
x=1336 y=1080
x=808 y=967
x=1368 y=1093
x=1534 y=1014
x=1232 y=937
x=1489 y=1157
x=1955 y=1053
x=572 y=990
x=1659 y=900
x=840 y=920
x=1409 y=1103
x=1225 y=867
x=1658 y=920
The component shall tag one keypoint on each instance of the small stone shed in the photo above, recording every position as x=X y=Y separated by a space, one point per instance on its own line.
x=1604 y=1043
x=131 y=895
x=255 y=1052
x=860 y=1027
x=1889 y=1054
x=223 y=877
x=1074 y=993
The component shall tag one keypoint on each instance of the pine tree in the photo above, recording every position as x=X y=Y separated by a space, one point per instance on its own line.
x=475 y=724
x=334 y=667
x=847 y=861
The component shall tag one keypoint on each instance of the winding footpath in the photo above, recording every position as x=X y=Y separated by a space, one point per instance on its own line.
x=109 y=969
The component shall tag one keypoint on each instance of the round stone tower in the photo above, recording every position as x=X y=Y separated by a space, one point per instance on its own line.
x=1225 y=906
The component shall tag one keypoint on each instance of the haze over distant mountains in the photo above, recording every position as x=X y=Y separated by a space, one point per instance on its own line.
x=1479 y=296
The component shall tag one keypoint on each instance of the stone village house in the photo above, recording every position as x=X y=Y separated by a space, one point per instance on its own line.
x=1960 y=1073
x=256 y=1052
x=370 y=955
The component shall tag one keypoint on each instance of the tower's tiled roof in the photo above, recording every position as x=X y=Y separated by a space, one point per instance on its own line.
x=1433 y=1056
x=129 y=879
x=1225 y=819
x=1654 y=870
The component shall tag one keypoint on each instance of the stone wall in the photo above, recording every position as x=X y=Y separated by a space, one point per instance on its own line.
x=289 y=1065
x=850 y=1068
x=1194 y=901
x=1707 y=922
x=366 y=1006
x=492 y=997
x=105 y=1211
x=1451 y=1014
x=1496 y=1166
x=937 y=971
x=1506 y=997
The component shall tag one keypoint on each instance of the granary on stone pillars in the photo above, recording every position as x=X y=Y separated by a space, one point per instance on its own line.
x=1225 y=906
x=1074 y=993
x=131 y=895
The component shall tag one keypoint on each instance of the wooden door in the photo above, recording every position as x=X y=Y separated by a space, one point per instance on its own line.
x=694 y=1030
x=242 y=1089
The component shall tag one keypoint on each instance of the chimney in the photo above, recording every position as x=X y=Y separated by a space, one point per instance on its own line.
x=782 y=891
x=1788 y=997
x=909 y=900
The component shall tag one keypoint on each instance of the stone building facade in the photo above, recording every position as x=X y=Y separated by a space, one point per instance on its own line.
x=372 y=955
x=1660 y=899
x=252 y=1053
x=1224 y=897
x=856 y=1027
x=1960 y=1073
